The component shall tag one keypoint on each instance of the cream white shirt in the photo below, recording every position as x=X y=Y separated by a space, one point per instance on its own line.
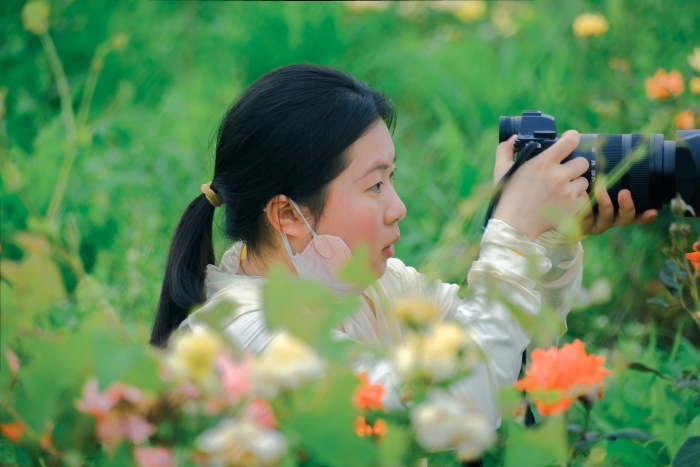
x=525 y=272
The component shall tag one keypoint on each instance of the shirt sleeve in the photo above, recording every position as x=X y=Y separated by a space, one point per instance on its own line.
x=505 y=279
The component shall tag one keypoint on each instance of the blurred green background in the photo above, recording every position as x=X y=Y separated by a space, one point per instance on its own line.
x=178 y=66
x=164 y=73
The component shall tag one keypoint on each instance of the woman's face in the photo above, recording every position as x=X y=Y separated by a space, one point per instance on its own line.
x=362 y=204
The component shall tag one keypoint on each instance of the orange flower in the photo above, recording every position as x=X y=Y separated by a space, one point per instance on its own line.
x=663 y=85
x=368 y=396
x=694 y=257
x=685 y=120
x=362 y=428
x=557 y=377
x=12 y=431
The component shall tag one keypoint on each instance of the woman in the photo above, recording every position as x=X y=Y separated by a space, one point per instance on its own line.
x=307 y=151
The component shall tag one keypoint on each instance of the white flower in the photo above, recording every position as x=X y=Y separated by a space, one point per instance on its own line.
x=416 y=311
x=241 y=443
x=446 y=349
x=285 y=363
x=444 y=422
x=191 y=356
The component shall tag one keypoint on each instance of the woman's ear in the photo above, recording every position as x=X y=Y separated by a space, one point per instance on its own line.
x=285 y=218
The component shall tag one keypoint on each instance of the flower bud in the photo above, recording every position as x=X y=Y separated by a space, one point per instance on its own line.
x=685 y=230
x=673 y=228
x=678 y=206
x=35 y=16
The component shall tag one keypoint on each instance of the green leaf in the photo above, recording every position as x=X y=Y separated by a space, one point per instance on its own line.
x=357 y=270
x=689 y=453
x=669 y=274
x=636 y=366
x=393 y=446
x=306 y=308
x=657 y=303
x=630 y=433
x=325 y=425
x=541 y=446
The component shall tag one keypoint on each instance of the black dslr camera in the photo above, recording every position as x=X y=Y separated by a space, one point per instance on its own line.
x=663 y=168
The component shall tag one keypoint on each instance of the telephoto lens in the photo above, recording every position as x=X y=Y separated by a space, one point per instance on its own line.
x=654 y=170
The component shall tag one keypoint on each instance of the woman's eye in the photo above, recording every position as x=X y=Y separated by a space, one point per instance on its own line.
x=377 y=187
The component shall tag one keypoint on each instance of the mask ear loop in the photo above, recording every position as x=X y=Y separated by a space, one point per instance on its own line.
x=284 y=235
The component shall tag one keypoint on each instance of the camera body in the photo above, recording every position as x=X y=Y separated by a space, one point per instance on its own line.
x=654 y=170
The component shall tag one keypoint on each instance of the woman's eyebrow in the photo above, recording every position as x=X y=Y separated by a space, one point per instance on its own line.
x=380 y=166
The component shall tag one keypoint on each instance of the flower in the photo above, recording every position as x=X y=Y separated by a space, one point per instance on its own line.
x=694 y=257
x=439 y=354
x=235 y=377
x=663 y=85
x=12 y=431
x=694 y=85
x=363 y=5
x=362 y=428
x=158 y=456
x=12 y=361
x=685 y=120
x=285 y=363
x=416 y=311
x=470 y=11
x=694 y=59
x=444 y=422
x=243 y=443
x=367 y=395
x=260 y=412
x=117 y=411
x=557 y=377
x=192 y=356
x=590 y=24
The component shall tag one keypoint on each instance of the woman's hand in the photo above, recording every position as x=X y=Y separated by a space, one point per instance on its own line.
x=606 y=218
x=543 y=191
x=567 y=195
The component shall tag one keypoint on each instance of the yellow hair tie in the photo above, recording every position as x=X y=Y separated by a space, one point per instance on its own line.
x=211 y=195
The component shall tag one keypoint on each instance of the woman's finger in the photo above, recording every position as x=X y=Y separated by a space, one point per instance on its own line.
x=562 y=148
x=646 y=217
x=576 y=167
x=606 y=211
x=626 y=213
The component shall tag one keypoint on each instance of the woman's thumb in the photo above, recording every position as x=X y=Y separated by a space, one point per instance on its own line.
x=504 y=158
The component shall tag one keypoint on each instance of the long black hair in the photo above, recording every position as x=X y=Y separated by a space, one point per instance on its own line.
x=287 y=134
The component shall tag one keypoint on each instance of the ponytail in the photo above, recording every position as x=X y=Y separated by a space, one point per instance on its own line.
x=183 y=285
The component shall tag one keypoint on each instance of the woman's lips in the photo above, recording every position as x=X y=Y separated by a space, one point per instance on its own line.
x=389 y=251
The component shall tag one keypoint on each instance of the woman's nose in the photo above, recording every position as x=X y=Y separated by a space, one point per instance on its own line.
x=396 y=209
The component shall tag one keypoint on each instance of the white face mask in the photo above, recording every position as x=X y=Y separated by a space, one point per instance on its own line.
x=322 y=259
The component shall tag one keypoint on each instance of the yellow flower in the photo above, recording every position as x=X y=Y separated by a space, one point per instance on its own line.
x=694 y=59
x=192 y=356
x=362 y=5
x=416 y=311
x=694 y=85
x=470 y=11
x=590 y=24
x=285 y=363
x=438 y=355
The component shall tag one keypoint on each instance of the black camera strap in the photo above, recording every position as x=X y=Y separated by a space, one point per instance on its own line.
x=527 y=153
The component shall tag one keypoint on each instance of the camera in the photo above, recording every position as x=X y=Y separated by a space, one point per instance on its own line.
x=653 y=169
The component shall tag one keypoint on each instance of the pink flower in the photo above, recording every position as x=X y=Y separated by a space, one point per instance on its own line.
x=154 y=457
x=260 y=412
x=12 y=361
x=235 y=377
x=113 y=425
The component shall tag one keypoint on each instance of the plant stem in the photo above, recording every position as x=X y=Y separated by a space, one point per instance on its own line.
x=69 y=122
